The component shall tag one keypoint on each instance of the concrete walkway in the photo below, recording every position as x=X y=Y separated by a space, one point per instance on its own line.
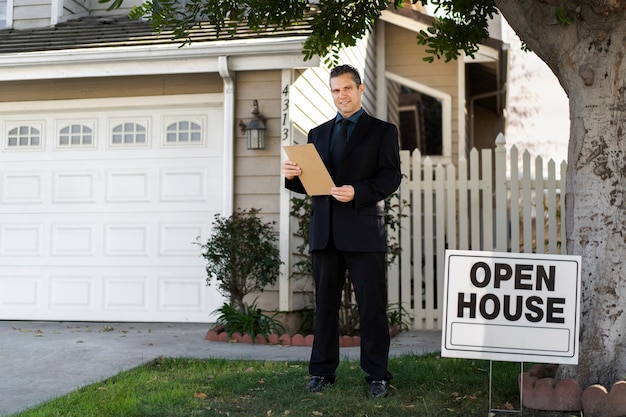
x=43 y=360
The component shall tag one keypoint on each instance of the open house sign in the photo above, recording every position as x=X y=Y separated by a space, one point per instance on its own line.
x=511 y=307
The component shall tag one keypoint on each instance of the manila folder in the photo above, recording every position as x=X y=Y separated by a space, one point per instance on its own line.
x=315 y=177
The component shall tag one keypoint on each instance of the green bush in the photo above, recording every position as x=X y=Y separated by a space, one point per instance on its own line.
x=249 y=320
x=398 y=316
x=242 y=255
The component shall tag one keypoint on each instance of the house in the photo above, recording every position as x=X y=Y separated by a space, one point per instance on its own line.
x=119 y=147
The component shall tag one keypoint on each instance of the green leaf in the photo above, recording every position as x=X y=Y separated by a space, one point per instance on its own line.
x=249 y=320
x=115 y=4
x=242 y=255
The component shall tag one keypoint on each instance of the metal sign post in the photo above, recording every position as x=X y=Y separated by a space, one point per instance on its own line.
x=493 y=411
x=511 y=307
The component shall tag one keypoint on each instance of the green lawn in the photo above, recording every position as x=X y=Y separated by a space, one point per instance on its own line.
x=423 y=386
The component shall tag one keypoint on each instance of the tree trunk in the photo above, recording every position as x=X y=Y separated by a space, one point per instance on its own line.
x=587 y=56
x=596 y=225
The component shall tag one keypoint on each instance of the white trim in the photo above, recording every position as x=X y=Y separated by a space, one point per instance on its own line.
x=228 y=195
x=56 y=11
x=484 y=54
x=446 y=114
x=285 y=292
x=381 y=65
x=212 y=99
x=244 y=55
x=461 y=110
x=9 y=15
x=403 y=21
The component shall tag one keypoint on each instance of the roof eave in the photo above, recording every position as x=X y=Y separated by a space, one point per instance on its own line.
x=488 y=51
x=244 y=55
x=404 y=21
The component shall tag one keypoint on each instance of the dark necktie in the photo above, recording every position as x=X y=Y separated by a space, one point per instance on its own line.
x=339 y=146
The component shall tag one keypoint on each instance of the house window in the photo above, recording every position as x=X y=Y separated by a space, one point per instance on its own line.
x=128 y=134
x=76 y=135
x=24 y=136
x=183 y=132
x=420 y=122
x=423 y=115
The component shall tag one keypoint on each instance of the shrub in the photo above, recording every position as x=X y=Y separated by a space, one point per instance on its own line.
x=242 y=255
x=248 y=320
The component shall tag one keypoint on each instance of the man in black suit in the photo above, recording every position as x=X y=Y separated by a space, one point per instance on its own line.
x=348 y=232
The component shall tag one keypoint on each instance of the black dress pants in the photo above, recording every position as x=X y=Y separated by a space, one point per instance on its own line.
x=367 y=273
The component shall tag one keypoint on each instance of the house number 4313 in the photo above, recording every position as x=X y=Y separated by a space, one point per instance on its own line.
x=285 y=118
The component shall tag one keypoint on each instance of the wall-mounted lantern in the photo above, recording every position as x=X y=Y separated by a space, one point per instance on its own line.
x=255 y=129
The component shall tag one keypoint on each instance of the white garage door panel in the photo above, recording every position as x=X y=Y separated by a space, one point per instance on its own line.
x=74 y=187
x=19 y=293
x=107 y=229
x=94 y=239
x=21 y=239
x=21 y=187
x=128 y=187
x=194 y=186
x=129 y=294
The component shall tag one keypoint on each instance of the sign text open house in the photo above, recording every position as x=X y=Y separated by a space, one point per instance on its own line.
x=517 y=307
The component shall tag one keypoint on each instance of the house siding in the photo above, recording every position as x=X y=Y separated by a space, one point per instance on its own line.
x=257 y=181
x=312 y=100
x=404 y=57
x=38 y=13
x=313 y=103
x=367 y=54
x=257 y=172
x=67 y=89
x=31 y=13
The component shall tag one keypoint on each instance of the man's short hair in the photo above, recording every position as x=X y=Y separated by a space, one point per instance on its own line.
x=346 y=69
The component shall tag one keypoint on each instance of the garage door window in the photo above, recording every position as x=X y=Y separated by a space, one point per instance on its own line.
x=76 y=135
x=129 y=134
x=24 y=136
x=184 y=132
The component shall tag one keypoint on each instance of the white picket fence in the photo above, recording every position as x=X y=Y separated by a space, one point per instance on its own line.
x=475 y=206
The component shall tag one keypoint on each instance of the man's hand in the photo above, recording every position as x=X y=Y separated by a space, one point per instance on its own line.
x=291 y=170
x=344 y=194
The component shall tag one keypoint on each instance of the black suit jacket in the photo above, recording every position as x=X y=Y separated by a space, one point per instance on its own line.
x=371 y=164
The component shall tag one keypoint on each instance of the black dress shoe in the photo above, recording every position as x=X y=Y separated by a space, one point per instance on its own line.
x=378 y=389
x=317 y=383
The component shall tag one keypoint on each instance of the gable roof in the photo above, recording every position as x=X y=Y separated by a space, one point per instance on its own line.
x=114 y=45
x=486 y=72
x=119 y=31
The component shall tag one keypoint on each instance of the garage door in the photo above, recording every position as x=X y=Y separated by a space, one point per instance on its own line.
x=101 y=206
